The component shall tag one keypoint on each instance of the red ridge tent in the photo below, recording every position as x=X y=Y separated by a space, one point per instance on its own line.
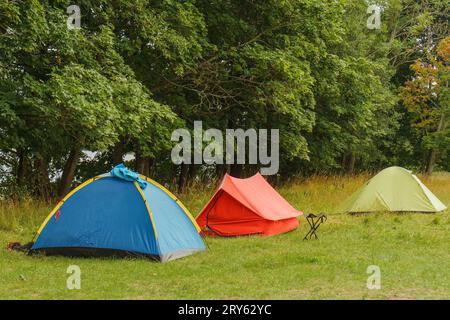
x=247 y=206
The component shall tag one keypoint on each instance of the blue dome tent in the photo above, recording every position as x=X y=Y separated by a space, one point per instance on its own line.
x=120 y=213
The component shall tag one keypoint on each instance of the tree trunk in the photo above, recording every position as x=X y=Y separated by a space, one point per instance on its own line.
x=344 y=161
x=23 y=174
x=431 y=162
x=351 y=163
x=433 y=153
x=220 y=170
x=21 y=168
x=151 y=166
x=117 y=153
x=147 y=166
x=192 y=173
x=69 y=171
x=236 y=170
x=42 y=179
x=184 y=172
x=139 y=161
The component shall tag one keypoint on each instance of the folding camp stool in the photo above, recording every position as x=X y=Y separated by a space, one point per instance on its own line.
x=314 y=222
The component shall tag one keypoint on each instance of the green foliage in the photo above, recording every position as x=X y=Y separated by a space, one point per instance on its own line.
x=427 y=98
x=78 y=104
x=61 y=87
x=136 y=70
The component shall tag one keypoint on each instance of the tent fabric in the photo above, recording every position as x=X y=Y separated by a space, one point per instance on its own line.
x=247 y=206
x=122 y=172
x=110 y=214
x=393 y=189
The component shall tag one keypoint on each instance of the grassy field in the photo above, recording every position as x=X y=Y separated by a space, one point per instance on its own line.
x=412 y=251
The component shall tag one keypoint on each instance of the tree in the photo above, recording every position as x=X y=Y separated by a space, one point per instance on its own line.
x=427 y=97
x=354 y=101
x=65 y=91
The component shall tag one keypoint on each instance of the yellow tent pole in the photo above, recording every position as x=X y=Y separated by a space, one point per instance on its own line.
x=62 y=202
x=148 y=208
x=180 y=204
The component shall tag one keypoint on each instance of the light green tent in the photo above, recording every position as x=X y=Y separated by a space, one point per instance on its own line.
x=393 y=189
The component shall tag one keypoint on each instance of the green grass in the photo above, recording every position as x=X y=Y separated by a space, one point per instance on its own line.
x=412 y=250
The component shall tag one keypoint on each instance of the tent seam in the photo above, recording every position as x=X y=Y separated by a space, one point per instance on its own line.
x=148 y=210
